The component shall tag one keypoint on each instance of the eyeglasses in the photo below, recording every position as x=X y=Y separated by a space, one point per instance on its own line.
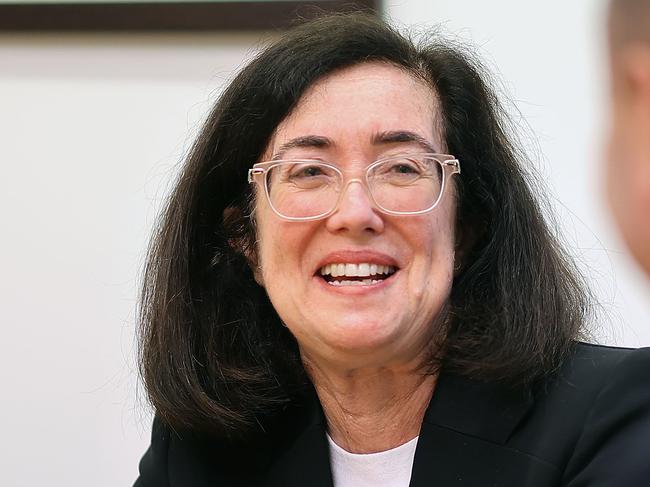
x=301 y=190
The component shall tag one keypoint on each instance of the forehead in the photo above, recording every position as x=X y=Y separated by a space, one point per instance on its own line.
x=353 y=105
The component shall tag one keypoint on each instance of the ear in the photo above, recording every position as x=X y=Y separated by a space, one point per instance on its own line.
x=241 y=241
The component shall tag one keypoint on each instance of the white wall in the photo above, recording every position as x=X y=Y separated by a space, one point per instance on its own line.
x=92 y=128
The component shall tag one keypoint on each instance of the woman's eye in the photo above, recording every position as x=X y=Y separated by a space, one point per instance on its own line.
x=404 y=168
x=304 y=172
x=309 y=171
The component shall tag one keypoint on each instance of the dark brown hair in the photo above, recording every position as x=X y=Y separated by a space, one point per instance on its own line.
x=214 y=355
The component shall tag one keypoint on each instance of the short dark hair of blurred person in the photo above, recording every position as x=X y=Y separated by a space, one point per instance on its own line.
x=628 y=177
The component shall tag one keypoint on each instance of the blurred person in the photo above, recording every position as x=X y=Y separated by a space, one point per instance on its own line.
x=628 y=178
x=353 y=285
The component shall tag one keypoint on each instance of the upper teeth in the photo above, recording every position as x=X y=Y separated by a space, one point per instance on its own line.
x=356 y=270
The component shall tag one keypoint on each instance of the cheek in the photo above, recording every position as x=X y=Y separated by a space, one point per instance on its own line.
x=281 y=247
x=269 y=244
x=445 y=247
x=270 y=236
x=435 y=239
x=443 y=230
x=274 y=250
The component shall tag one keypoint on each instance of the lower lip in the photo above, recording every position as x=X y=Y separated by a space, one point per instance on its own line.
x=357 y=289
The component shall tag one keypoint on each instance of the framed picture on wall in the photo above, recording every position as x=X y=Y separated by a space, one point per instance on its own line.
x=164 y=15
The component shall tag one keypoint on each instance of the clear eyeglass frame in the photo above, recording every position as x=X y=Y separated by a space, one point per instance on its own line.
x=449 y=166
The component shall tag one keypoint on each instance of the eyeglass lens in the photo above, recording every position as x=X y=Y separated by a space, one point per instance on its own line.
x=309 y=189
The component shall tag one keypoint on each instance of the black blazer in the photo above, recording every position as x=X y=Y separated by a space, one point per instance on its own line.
x=587 y=426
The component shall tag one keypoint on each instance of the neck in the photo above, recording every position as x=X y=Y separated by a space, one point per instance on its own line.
x=374 y=410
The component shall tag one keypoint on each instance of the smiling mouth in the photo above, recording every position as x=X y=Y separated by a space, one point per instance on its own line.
x=363 y=274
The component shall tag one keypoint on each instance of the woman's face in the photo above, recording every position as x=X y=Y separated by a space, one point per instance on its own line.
x=363 y=113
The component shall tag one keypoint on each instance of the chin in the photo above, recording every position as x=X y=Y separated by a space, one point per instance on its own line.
x=363 y=338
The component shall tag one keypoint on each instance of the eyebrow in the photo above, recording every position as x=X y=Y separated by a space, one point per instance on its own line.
x=382 y=138
x=402 y=136
x=306 y=141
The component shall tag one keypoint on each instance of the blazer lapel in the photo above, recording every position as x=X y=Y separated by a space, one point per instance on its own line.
x=306 y=461
x=464 y=434
x=293 y=452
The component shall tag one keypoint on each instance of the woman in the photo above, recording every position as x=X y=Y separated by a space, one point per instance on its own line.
x=353 y=285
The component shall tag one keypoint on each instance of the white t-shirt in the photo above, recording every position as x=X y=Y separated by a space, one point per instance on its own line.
x=390 y=468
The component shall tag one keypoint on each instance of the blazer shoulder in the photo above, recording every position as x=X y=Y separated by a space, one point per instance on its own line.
x=611 y=448
x=603 y=374
x=189 y=458
x=153 y=465
x=594 y=365
x=601 y=353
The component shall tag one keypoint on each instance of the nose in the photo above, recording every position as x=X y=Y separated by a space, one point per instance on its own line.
x=356 y=213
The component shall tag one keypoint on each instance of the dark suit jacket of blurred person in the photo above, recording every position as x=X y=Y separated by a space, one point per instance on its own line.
x=589 y=425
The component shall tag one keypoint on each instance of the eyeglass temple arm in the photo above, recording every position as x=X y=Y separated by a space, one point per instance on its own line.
x=254 y=172
x=451 y=162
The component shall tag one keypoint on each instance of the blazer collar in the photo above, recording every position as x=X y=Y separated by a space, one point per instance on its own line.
x=481 y=410
x=465 y=419
x=307 y=460
x=463 y=439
